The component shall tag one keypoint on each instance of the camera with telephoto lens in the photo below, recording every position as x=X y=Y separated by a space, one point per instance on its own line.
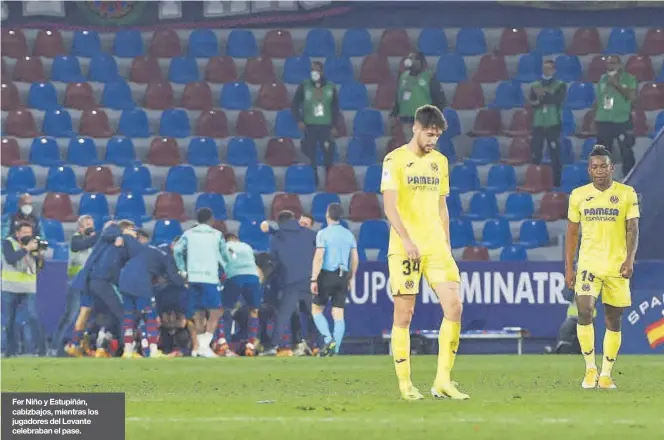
x=42 y=244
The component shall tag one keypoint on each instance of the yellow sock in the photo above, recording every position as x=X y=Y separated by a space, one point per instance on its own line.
x=448 y=344
x=612 y=342
x=586 y=335
x=401 y=354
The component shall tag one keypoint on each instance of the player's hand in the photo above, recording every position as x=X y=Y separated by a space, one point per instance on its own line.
x=570 y=279
x=411 y=250
x=119 y=242
x=613 y=80
x=301 y=126
x=314 y=287
x=31 y=246
x=265 y=226
x=627 y=269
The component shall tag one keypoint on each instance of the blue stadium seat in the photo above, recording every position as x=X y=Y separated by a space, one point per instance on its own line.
x=356 y=43
x=183 y=70
x=587 y=148
x=580 y=95
x=514 y=253
x=248 y=207
x=213 y=201
x=368 y=122
x=432 y=41
x=260 y=179
x=483 y=206
x=299 y=180
x=53 y=230
x=103 y=68
x=22 y=179
x=95 y=205
x=285 y=125
x=57 y=123
x=60 y=251
x=241 y=152
x=529 y=68
x=550 y=41
x=353 y=96
x=138 y=180
x=451 y=68
x=66 y=69
x=165 y=231
x=296 y=69
x=461 y=233
x=43 y=96
x=446 y=147
x=453 y=122
x=501 y=178
x=241 y=43
x=319 y=43
x=131 y=206
x=485 y=150
x=11 y=203
x=470 y=41
x=235 y=96
x=174 y=123
x=533 y=233
x=181 y=179
x=86 y=44
x=44 y=151
x=320 y=202
x=508 y=95
x=374 y=234
x=203 y=43
x=338 y=70
x=566 y=152
x=496 y=234
x=128 y=44
x=568 y=68
x=120 y=151
x=569 y=124
x=134 y=123
x=660 y=77
x=573 y=176
x=251 y=234
x=518 y=206
x=621 y=41
x=372 y=178
x=202 y=151
x=659 y=123
x=454 y=206
x=463 y=178
x=117 y=95
x=362 y=151
x=62 y=180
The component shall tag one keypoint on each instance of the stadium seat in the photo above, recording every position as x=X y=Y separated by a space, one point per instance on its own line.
x=212 y=123
x=220 y=179
x=356 y=43
x=319 y=43
x=241 y=43
x=621 y=41
x=280 y=152
x=249 y=207
x=99 y=180
x=368 y=122
x=508 y=96
x=197 y=96
x=183 y=70
x=29 y=69
x=164 y=151
x=385 y=94
x=529 y=67
x=374 y=69
x=57 y=123
x=463 y=178
x=131 y=206
x=145 y=70
x=641 y=67
x=221 y=70
x=134 y=123
x=299 y=179
x=94 y=123
x=566 y=152
x=485 y=150
x=362 y=151
x=61 y=179
x=492 y=68
x=203 y=43
x=273 y=96
x=22 y=179
x=550 y=41
x=117 y=95
x=165 y=43
x=539 y=178
x=432 y=41
x=496 y=234
x=128 y=44
x=580 y=95
x=568 y=68
x=587 y=148
x=518 y=206
x=137 y=179
x=446 y=147
x=251 y=234
x=66 y=69
x=58 y=206
x=235 y=96
x=651 y=97
x=339 y=70
x=461 y=233
x=283 y=201
x=468 y=96
x=10 y=154
x=20 y=123
x=259 y=70
x=394 y=43
x=181 y=179
x=364 y=206
x=453 y=123
x=640 y=122
x=659 y=124
x=501 y=178
x=319 y=205
x=286 y=126
x=165 y=231
x=451 y=68
x=296 y=69
x=95 y=205
x=202 y=151
x=533 y=233
x=585 y=41
x=483 y=206
x=521 y=124
x=79 y=96
x=53 y=231
x=588 y=127
x=596 y=68
x=278 y=44
x=470 y=41
x=42 y=96
x=653 y=43
x=573 y=176
x=260 y=179
x=514 y=252
x=340 y=178
x=353 y=96
x=169 y=206
x=569 y=124
x=454 y=206
x=86 y=44
x=241 y=152
x=475 y=253
x=251 y=123
x=213 y=201
x=487 y=123
x=14 y=43
x=174 y=123
x=372 y=178
x=513 y=41
x=44 y=151
x=374 y=234
x=48 y=44
x=553 y=206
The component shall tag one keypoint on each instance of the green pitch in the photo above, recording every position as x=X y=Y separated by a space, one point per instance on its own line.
x=348 y=397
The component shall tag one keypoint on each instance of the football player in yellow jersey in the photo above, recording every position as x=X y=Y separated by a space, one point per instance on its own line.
x=607 y=213
x=415 y=185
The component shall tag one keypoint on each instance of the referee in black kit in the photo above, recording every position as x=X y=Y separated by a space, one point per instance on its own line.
x=332 y=275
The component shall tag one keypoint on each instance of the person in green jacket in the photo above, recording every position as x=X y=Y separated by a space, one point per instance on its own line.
x=615 y=94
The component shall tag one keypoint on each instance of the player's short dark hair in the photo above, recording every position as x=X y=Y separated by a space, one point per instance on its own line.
x=335 y=211
x=126 y=224
x=600 y=150
x=142 y=233
x=285 y=215
x=309 y=216
x=22 y=225
x=230 y=236
x=317 y=64
x=204 y=215
x=429 y=116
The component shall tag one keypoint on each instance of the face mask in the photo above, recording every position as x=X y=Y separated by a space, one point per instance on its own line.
x=547 y=78
x=26 y=209
x=315 y=76
x=612 y=72
x=408 y=63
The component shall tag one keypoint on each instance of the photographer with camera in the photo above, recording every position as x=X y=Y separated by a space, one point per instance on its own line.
x=25 y=214
x=22 y=258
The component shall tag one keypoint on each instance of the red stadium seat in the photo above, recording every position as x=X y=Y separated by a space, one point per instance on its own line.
x=585 y=41
x=10 y=154
x=492 y=69
x=221 y=180
x=651 y=97
x=375 y=69
x=514 y=41
x=553 y=206
x=596 y=69
x=48 y=44
x=588 y=128
x=80 y=96
x=539 y=178
x=341 y=179
x=283 y=201
x=14 y=44
x=385 y=95
x=653 y=43
x=212 y=123
x=159 y=96
x=640 y=122
x=641 y=67
x=475 y=253
x=487 y=123
x=99 y=180
x=165 y=43
x=169 y=206
x=29 y=69
x=197 y=96
x=164 y=152
x=278 y=44
x=522 y=123
x=519 y=152
x=395 y=142
x=251 y=123
x=468 y=96
x=145 y=70
x=220 y=226
x=273 y=97
x=10 y=98
x=364 y=206
x=259 y=71
x=394 y=43
x=58 y=206
x=221 y=70
x=94 y=123
x=21 y=123
x=280 y=152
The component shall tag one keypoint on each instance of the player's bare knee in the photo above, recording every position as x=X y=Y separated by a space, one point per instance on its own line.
x=612 y=318
x=404 y=307
x=453 y=309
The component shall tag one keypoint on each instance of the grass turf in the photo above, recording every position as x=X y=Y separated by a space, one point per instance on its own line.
x=527 y=397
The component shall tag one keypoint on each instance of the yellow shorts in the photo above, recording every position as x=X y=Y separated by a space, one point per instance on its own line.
x=614 y=290
x=405 y=274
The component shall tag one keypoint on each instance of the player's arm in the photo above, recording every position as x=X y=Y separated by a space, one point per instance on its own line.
x=631 y=235
x=317 y=264
x=572 y=238
x=179 y=249
x=388 y=186
x=354 y=264
x=444 y=191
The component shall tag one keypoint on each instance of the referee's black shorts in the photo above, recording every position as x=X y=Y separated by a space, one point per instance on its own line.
x=332 y=286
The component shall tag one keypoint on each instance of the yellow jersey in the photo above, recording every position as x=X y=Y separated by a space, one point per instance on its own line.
x=603 y=216
x=419 y=182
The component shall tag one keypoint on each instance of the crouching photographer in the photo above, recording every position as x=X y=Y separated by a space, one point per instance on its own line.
x=22 y=258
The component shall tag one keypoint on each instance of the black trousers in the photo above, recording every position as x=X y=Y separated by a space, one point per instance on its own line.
x=318 y=136
x=105 y=297
x=332 y=286
x=289 y=301
x=550 y=136
x=623 y=134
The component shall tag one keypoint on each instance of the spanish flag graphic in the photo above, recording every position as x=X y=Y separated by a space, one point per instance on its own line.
x=655 y=333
